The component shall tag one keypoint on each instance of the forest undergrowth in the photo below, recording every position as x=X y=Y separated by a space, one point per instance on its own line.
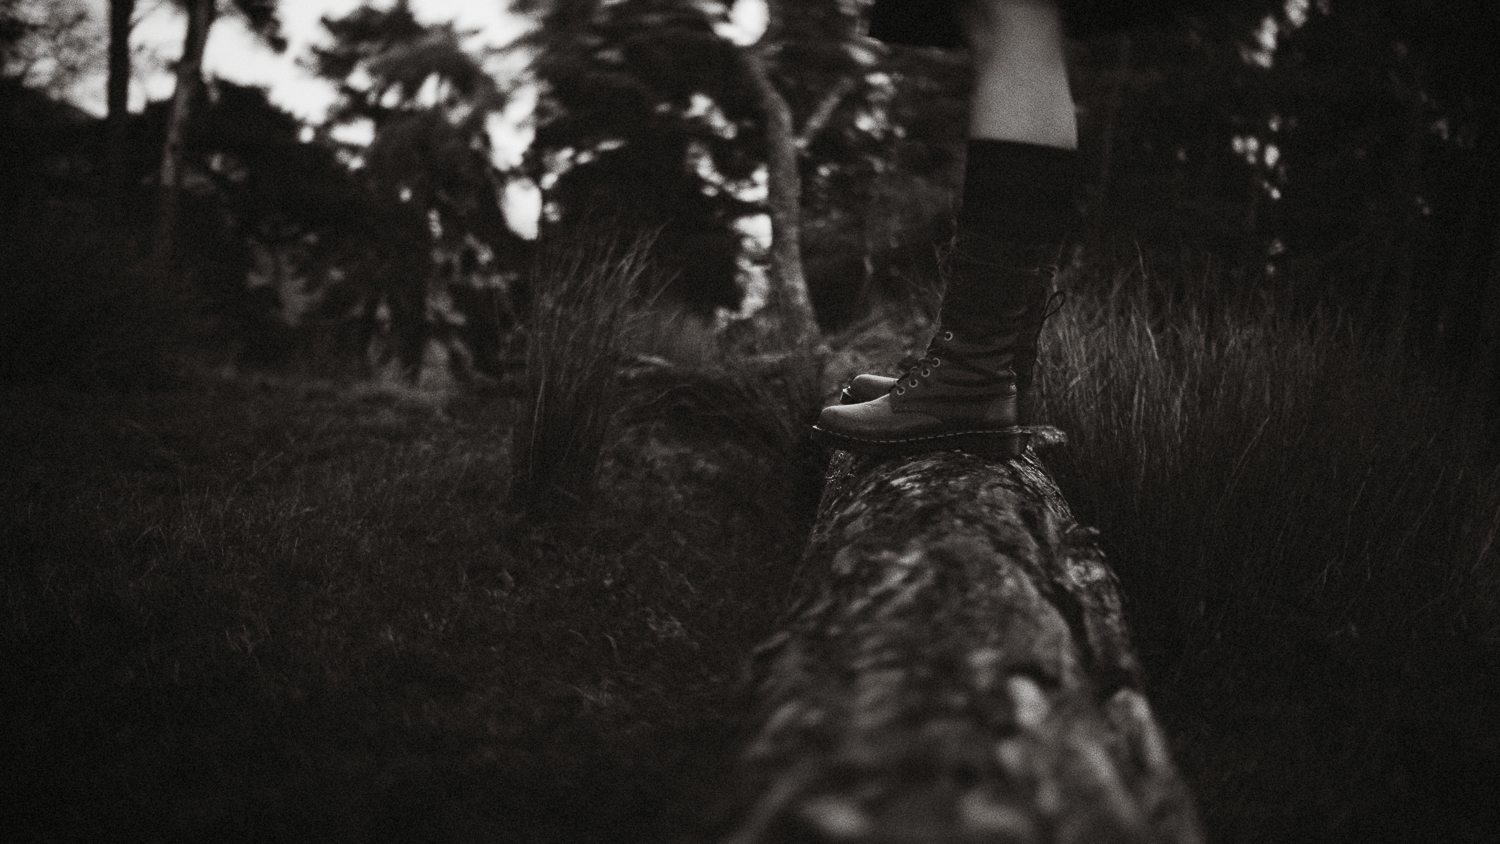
x=272 y=608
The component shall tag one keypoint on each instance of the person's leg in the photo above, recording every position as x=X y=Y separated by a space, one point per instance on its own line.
x=1021 y=88
x=1017 y=209
x=1020 y=185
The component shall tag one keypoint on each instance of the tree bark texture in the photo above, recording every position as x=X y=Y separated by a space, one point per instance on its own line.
x=789 y=307
x=189 y=77
x=957 y=668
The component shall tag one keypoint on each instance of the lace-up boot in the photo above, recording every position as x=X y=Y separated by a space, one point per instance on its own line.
x=973 y=391
x=961 y=395
x=866 y=387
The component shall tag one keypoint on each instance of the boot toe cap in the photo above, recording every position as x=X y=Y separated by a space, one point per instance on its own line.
x=873 y=420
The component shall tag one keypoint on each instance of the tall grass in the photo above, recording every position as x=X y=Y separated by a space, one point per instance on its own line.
x=585 y=295
x=1287 y=462
x=1303 y=523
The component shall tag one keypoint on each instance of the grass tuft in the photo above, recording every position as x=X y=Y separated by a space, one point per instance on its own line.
x=586 y=294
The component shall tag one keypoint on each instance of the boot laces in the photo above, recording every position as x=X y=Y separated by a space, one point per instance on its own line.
x=942 y=348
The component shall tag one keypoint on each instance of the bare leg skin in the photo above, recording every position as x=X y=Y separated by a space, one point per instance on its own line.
x=1021 y=76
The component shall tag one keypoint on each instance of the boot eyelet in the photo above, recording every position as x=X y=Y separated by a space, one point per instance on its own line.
x=937 y=362
x=948 y=335
x=900 y=391
x=912 y=382
x=926 y=373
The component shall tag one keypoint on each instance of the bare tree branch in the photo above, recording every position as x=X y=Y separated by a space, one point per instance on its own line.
x=826 y=107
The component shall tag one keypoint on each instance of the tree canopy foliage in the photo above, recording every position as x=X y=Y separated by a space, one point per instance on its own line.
x=651 y=112
x=1347 y=149
x=430 y=185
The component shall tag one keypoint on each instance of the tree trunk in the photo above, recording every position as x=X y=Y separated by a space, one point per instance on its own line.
x=957 y=669
x=117 y=97
x=789 y=308
x=189 y=77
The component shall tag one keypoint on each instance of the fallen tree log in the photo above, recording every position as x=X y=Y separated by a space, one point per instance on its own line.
x=957 y=668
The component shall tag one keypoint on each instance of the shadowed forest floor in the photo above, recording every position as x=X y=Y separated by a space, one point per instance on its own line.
x=274 y=612
x=277 y=610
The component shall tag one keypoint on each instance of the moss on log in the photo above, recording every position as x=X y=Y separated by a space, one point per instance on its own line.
x=957 y=668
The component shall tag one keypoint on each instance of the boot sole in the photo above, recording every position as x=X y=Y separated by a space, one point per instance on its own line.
x=1003 y=443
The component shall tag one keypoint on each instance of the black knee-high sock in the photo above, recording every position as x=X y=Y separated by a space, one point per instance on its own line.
x=1019 y=206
